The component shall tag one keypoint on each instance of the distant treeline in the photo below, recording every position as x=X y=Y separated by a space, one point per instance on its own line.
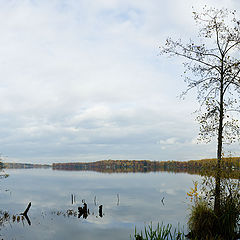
x=202 y=167
x=23 y=165
x=192 y=167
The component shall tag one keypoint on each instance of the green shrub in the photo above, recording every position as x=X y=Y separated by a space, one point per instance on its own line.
x=202 y=221
x=204 y=224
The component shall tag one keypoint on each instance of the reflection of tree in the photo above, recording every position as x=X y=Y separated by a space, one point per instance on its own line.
x=204 y=223
x=25 y=214
x=6 y=217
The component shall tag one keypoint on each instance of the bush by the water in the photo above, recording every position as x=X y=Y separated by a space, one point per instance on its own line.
x=205 y=224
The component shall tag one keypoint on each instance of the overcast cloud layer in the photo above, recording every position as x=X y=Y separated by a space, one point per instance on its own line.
x=81 y=80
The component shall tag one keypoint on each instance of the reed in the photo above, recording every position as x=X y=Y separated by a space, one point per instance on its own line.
x=161 y=232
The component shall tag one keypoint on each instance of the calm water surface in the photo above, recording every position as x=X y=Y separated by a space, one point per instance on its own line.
x=127 y=199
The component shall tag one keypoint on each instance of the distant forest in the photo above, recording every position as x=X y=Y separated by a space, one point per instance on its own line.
x=231 y=166
x=204 y=166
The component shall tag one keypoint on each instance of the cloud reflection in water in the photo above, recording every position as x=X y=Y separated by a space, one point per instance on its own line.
x=128 y=200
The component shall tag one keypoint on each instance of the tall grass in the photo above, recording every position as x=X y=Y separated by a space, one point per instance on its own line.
x=161 y=232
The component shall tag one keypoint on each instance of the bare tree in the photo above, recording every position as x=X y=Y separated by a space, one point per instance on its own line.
x=212 y=67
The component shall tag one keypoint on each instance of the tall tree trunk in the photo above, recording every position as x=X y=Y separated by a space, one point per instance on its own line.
x=217 y=200
x=218 y=183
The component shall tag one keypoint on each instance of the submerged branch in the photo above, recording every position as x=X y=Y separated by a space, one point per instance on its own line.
x=27 y=209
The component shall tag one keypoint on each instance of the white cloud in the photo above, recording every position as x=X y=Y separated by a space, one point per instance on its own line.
x=169 y=141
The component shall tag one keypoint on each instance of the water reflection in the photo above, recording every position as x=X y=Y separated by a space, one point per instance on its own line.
x=103 y=206
x=118 y=200
x=82 y=211
x=25 y=213
x=6 y=217
x=162 y=201
x=208 y=222
x=73 y=198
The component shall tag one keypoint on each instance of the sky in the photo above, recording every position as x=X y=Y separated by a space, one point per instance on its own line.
x=82 y=80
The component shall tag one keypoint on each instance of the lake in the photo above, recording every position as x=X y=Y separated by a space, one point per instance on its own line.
x=128 y=200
